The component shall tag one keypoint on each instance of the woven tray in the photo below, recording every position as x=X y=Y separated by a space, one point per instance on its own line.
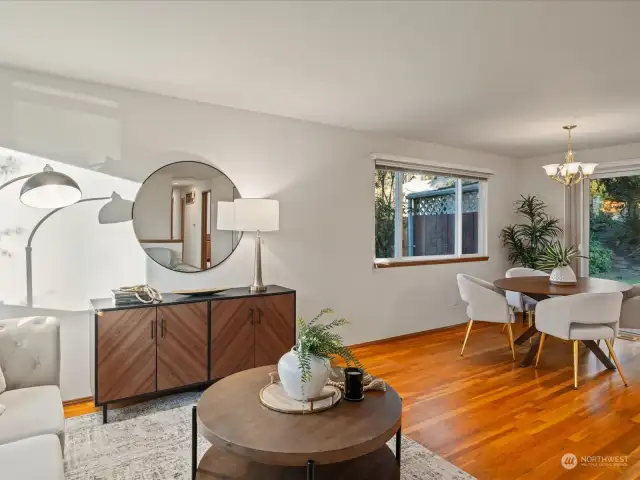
x=274 y=397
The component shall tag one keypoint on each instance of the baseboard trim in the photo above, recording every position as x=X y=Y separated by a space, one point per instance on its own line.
x=405 y=336
x=76 y=401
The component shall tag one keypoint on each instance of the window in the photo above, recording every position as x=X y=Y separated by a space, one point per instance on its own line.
x=428 y=212
x=614 y=227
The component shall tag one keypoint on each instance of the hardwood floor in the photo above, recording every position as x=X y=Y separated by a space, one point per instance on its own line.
x=496 y=420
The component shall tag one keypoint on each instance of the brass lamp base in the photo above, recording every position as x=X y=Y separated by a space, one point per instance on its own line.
x=257 y=286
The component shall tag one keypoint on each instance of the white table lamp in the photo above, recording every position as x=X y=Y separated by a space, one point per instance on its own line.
x=256 y=215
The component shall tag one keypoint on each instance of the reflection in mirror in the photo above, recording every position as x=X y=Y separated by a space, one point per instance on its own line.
x=174 y=216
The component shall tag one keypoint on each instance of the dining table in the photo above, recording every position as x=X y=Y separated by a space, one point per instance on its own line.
x=540 y=288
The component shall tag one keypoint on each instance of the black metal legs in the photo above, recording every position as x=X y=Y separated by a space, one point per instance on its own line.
x=194 y=442
x=399 y=445
x=104 y=413
x=311 y=470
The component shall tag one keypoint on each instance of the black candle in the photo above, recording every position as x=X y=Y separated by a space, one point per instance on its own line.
x=353 y=387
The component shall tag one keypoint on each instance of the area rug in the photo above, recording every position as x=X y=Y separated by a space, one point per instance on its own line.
x=152 y=441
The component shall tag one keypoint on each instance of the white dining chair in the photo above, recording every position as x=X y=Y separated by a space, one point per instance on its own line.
x=517 y=300
x=485 y=303
x=585 y=316
x=630 y=315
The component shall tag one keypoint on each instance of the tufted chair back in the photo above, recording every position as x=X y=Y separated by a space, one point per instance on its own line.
x=30 y=352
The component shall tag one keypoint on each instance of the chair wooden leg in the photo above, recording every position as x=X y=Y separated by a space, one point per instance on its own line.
x=612 y=353
x=576 y=351
x=513 y=347
x=613 y=341
x=503 y=327
x=466 y=337
x=542 y=337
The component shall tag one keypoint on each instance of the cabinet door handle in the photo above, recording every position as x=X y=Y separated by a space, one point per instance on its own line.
x=162 y=327
x=151 y=323
x=259 y=316
x=251 y=321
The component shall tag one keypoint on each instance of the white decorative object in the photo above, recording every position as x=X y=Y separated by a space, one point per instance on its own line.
x=2 y=409
x=3 y=383
x=291 y=376
x=563 y=276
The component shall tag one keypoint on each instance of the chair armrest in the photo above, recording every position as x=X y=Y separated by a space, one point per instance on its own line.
x=552 y=316
x=630 y=314
x=487 y=304
x=30 y=352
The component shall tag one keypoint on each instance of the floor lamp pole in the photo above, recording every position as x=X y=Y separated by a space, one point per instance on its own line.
x=28 y=249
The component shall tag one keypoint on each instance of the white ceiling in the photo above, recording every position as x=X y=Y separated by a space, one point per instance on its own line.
x=491 y=76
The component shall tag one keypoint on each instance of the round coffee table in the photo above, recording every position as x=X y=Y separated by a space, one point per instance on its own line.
x=249 y=441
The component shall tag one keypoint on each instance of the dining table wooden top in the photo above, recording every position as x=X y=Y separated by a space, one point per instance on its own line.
x=540 y=285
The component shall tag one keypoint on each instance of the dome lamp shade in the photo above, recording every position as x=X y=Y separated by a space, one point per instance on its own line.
x=50 y=189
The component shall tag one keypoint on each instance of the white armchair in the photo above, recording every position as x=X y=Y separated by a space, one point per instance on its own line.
x=486 y=303
x=517 y=300
x=586 y=316
x=30 y=352
x=630 y=315
x=30 y=362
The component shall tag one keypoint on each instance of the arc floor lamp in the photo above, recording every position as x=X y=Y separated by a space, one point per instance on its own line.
x=51 y=189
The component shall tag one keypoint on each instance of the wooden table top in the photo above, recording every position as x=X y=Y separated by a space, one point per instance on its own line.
x=232 y=418
x=541 y=286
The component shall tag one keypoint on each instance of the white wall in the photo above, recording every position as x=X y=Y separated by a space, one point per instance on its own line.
x=74 y=259
x=152 y=208
x=323 y=178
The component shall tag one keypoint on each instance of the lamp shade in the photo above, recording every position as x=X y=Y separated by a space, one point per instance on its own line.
x=226 y=216
x=50 y=189
x=116 y=210
x=551 y=169
x=588 y=168
x=256 y=214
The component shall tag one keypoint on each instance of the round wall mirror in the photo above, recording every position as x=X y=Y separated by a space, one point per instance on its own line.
x=175 y=216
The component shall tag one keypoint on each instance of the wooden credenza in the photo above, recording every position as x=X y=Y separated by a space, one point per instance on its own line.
x=145 y=350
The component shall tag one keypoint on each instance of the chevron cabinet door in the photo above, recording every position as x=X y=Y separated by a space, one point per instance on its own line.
x=232 y=336
x=126 y=354
x=182 y=344
x=274 y=328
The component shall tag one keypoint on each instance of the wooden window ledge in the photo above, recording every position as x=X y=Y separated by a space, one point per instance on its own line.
x=414 y=263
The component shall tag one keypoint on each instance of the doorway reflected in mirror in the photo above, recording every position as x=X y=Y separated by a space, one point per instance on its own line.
x=174 y=216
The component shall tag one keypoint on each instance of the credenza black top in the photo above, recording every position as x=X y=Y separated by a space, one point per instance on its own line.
x=105 y=304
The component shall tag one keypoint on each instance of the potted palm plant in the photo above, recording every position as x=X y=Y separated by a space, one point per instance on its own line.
x=304 y=370
x=557 y=258
x=526 y=241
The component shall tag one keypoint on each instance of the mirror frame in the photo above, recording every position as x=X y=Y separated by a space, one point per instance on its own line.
x=240 y=233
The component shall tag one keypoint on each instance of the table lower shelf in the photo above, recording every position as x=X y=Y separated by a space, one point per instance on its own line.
x=218 y=465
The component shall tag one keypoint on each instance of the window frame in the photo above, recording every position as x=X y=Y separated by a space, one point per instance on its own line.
x=460 y=172
x=621 y=168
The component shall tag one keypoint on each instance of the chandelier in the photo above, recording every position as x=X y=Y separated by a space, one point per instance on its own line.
x=571 y=172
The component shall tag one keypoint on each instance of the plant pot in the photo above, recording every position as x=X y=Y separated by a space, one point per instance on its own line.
x=291 y=376
x=563 y=276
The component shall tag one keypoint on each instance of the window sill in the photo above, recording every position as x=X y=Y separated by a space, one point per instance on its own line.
x=414 y=263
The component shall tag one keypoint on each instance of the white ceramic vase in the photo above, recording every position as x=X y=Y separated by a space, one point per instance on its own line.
x=563 y=276
x=291 y=376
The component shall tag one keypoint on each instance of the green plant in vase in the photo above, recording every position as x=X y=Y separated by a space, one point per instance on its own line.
x=557 y=259
x=304 y=370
